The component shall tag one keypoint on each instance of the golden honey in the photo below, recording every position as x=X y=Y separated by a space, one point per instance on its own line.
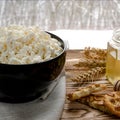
x=113 y=62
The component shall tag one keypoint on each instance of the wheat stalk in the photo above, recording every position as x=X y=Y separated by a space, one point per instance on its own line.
x=95 y=59
x=89 y=75
x=91 y=63
x=95 y=53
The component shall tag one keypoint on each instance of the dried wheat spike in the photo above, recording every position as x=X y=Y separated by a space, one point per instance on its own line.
x=96 y=57
x=91 y=63
x=88 y=75
x=95 y=53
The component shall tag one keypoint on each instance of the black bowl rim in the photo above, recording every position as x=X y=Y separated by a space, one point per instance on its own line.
x=54 y=36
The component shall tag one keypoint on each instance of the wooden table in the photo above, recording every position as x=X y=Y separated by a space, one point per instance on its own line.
x=75 y=110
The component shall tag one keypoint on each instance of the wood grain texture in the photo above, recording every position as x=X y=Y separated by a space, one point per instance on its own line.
x=75 y=110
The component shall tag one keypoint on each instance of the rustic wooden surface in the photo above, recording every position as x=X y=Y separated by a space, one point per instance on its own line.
x=75 y=110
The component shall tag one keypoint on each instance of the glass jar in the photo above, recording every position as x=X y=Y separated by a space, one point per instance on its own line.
x=113 y=58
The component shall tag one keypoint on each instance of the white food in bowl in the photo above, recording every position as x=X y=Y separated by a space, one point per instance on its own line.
x=26 y=45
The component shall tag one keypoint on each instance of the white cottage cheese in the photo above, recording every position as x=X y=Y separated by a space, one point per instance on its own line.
x=26 y=45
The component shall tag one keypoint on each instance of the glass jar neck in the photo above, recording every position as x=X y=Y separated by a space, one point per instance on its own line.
x=116 y=36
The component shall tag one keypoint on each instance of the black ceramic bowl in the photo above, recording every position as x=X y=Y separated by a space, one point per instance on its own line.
x=22 y=83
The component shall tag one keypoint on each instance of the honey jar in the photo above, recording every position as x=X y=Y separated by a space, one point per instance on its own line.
x=113 y=58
